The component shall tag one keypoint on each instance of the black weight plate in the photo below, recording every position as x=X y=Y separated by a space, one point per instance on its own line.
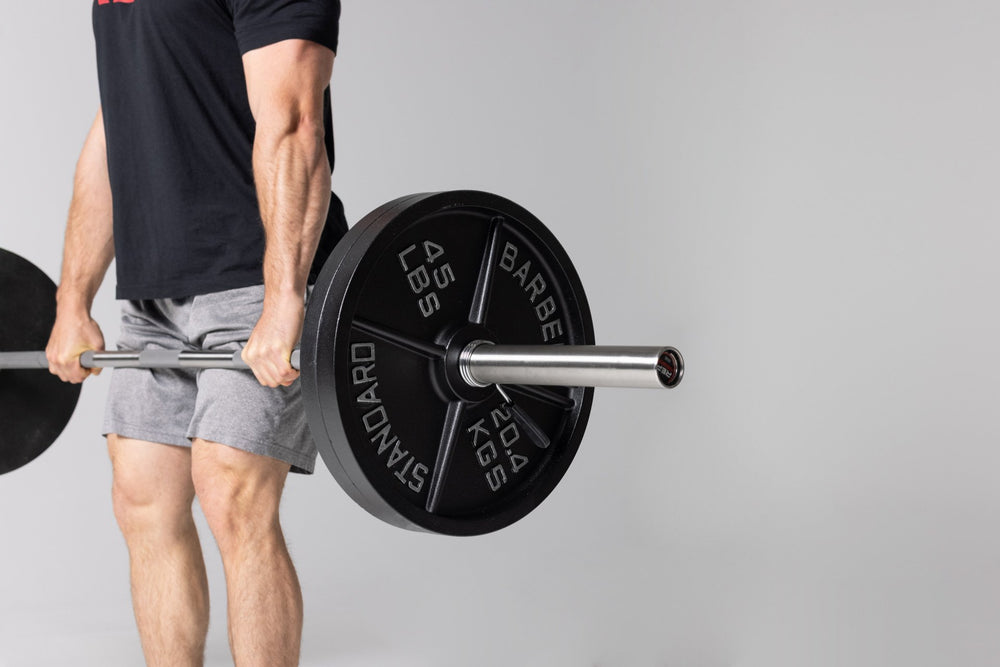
x=405 y=291
x=35 y=405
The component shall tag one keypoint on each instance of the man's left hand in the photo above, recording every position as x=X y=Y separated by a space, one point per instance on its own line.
x=275 y=335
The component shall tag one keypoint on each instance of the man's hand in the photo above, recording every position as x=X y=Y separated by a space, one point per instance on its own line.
x=72 y=335
x=274 y=337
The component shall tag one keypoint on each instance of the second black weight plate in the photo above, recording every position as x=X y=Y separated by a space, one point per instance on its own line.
x=410 y=286
x=35 y=406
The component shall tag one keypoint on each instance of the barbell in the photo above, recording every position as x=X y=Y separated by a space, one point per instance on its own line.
x=447 y=363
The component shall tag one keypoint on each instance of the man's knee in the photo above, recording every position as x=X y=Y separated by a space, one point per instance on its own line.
x=239 y=493
x=151 y=486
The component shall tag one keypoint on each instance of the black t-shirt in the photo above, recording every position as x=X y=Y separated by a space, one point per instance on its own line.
x=180 y=137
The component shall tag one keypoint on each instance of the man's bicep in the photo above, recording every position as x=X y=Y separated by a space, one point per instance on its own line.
x=288 y=77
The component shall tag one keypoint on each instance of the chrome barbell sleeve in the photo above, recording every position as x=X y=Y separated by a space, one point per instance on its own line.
x=482 y=364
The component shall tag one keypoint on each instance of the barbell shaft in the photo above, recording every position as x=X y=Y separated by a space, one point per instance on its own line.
x=139 y=359
x=481 y=364
x=23 y=360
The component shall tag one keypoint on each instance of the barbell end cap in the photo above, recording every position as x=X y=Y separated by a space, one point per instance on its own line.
x=670 y=368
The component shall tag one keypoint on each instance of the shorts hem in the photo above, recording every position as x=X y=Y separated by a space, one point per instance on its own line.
x=301 y=463
x=134 y=432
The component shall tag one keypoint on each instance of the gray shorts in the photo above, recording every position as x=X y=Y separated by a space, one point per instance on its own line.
x=225 y=406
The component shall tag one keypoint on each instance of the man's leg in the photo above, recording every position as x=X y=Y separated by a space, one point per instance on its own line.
x=239 y=493
x=152 y=494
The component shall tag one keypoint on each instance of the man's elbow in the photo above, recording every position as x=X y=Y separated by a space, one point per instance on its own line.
x=300 y=124
x=294 y=116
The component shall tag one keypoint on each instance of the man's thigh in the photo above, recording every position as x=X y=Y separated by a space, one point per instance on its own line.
x=149 y=473
x=210 y=458
x=237 y=486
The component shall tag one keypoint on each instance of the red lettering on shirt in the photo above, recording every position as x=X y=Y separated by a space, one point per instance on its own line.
x=106 y=2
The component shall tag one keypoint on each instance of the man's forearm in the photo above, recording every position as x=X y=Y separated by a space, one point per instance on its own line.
x=292 y=175
x=89 y=244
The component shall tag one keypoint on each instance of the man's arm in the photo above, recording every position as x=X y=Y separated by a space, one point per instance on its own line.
x=87 y=253
x=285 y=85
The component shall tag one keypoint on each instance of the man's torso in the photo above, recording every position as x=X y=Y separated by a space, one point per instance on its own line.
x=180 y=135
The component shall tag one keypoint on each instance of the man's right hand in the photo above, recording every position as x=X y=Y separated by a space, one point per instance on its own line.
x=72 y=335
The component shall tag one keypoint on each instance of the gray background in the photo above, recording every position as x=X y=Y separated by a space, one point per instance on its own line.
x=801 y=196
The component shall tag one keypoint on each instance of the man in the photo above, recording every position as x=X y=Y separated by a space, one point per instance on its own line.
x=206 y=174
